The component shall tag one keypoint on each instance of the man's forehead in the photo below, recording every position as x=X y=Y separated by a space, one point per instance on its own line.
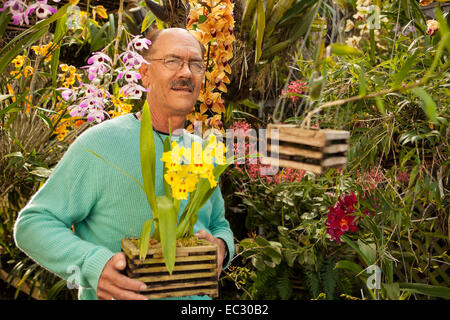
x=176 y=42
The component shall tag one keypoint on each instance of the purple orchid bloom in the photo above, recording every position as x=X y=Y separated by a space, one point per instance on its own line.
x=43 y=10
x=97 y=115
x=76 y=111
x=18 y=10
x=92 y=90
x=91 y=102
x=99 y=63
x=133 y=90
x=67 y=94
x=139 y=43
x=132 y=59
x=99 y=58
x=129 y=75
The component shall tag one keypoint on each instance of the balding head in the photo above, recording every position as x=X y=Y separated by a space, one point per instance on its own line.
x=154 y=34
x=173 y=76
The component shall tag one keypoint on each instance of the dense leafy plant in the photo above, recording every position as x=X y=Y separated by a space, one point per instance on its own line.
x=383 y=86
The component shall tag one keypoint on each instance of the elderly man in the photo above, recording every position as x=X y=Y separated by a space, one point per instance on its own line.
x=102 y=204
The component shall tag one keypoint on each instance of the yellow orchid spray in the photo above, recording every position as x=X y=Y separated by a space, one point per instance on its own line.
x=189 y=172
x=186 y=166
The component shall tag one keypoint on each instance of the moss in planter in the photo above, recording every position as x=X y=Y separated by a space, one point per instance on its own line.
x=183 y=242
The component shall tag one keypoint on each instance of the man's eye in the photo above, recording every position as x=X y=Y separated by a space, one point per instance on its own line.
x=197 y=65
x=173 y=61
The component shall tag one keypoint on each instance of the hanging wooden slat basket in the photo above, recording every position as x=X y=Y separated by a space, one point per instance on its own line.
x=311 y=150
x=195 y=271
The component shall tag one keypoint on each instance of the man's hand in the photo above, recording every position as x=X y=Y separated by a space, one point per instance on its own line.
x=114 y=285
x=221 y=247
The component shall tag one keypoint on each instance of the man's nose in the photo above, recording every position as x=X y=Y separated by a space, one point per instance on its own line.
x=185 y=71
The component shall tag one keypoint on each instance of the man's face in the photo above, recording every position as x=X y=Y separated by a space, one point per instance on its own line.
x=174 y=91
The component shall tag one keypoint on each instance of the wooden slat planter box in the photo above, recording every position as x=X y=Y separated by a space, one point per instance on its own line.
x=308 y=149
x=195 y=271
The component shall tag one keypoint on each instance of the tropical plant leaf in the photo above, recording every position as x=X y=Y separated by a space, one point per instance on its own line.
x=60 y=30
x=168 y=230
x=148 y=161
x=429 y=290
x=428 y=105
x=401 y=75
x=261 y=21
x=247 y=17
x=148 y=20
x=144 y=239
x=392 y=290
x=357 y=249
x=277 y=13
x=6 y=58
x=5 y=17
x=350 y=266
x=341 y=49
x=167 y=188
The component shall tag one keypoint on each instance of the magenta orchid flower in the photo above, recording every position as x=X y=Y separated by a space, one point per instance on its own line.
x=67 y=94
x=133 y=90
x=99 y=64
x=76 y=111
x=129 y=75
x=132 y=59
x=43 y=10
x=18 y=10
x=99 y=58
x=139 y=43
x=92 y=91
x=97 y=115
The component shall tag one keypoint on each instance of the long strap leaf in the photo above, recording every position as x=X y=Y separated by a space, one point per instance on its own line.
x=168 y=227
x=148 y=161
x=145 y=237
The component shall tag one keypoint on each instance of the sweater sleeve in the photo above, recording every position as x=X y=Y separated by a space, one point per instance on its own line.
x=219 y=226
x=43 y=228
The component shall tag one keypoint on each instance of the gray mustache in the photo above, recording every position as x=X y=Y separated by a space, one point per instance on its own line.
x=183 y=83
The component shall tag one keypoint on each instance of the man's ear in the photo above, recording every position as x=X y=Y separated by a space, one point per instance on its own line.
x=144 y=70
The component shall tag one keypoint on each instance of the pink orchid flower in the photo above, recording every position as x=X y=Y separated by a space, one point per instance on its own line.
x=133 y=90
x=18 y=10
x=132 y=59
x=129 y=75
x=139 y=43
x=67 y=94
x=99 y=63
x=43 y=10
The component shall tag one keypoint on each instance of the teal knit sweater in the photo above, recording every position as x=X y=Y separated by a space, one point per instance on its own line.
x=102 y=204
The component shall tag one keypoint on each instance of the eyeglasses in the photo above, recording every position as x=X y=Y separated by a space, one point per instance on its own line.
x=176 y=64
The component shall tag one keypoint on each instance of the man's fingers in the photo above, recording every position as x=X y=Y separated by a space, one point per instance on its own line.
x=202 y=234
x=122 y=294
x=119 y=261
x=126 y=283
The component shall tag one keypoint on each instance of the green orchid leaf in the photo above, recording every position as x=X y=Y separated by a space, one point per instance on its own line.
x=167 y=188
x=168 y=228
x=148 y=161
x=261 y=21
x=60 y=31
x=425 y=289
x=428 y=105
x=144 y=239
x=247 y=17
